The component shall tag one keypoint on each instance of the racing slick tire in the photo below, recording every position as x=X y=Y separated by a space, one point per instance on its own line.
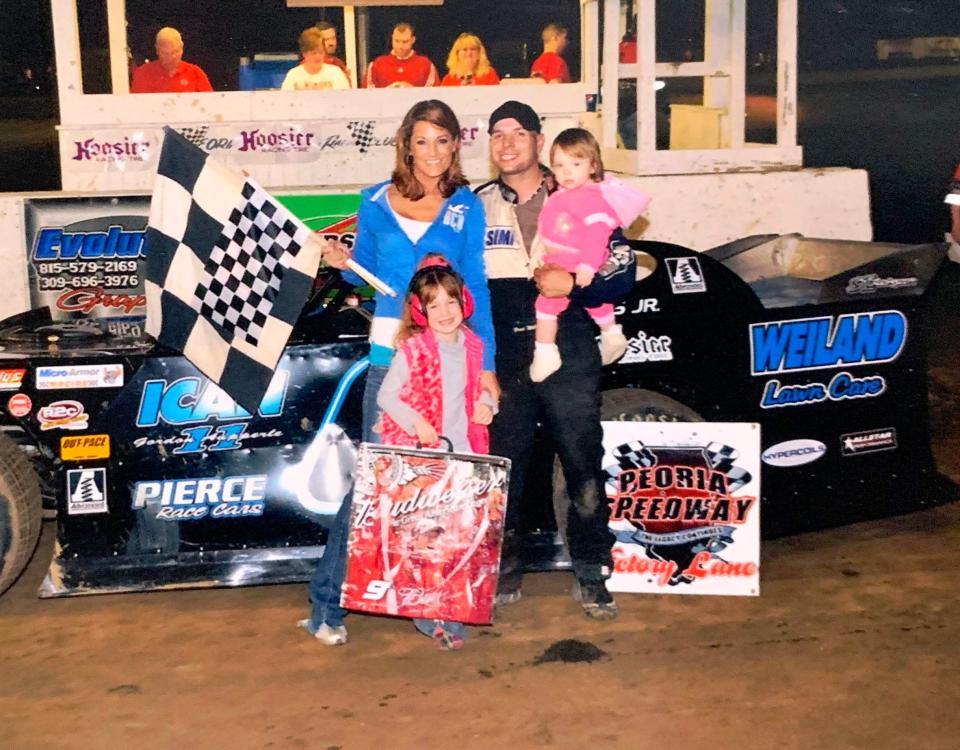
x=20 y=511
x=622 y=405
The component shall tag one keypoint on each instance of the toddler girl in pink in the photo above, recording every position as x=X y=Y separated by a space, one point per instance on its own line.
x=575 y=226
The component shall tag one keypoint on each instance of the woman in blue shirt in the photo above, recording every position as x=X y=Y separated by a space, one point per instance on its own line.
x=425 y=207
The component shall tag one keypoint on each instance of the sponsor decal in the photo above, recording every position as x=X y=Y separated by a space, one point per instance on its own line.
x=362 y=134
x=274 y=141
x=871 y=283
x=61 y=377
x=11 y=380
x=193 y=499
x=841 y=386
x=500 y=236
x=58 y=243
x=86 y=491
x=825 y=342
x=63 y=415
x=95 y=300
x=19 y=405
x=643 y=305
x=643 y=348
x=85 y=447
x=199 y=136
x=793 y=452
x=194 y=400
x=686 y=275
x=124 y=150
x=343 y=230
x=868 y=441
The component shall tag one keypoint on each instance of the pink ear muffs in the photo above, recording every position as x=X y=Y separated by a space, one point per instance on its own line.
x=417 y=313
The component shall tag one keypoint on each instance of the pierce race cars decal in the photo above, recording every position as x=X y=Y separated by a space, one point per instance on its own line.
x=208 y=497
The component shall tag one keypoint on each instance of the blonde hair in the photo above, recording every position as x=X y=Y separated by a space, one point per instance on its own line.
x=453 y=59
x=581 y=144
x=310 y=39
x=169 y=34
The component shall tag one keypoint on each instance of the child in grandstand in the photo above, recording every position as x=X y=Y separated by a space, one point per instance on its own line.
x=433 y=385
x=575 y=224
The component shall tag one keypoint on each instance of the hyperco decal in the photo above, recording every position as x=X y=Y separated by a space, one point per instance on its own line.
x=644 y=348
x=827 y=342
x=63 y=415
x=86 y=491
x=793 y=453
x=675 y=508
x=868 y=441
x=193 y=499
x=686 y=275
x=63 y=377
x=199 y=401
x=84 y=447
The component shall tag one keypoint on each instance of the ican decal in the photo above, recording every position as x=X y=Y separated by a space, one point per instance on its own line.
x=193 y=499
x=821 y=343
x=193 y=400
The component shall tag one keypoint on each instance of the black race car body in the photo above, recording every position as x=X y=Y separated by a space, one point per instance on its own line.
x=160 y=480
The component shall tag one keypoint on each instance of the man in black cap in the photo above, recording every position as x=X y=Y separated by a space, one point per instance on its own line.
x=568 y=402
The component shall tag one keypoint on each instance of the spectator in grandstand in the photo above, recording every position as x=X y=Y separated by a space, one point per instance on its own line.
x=314 y=72
x=402 y=66
x=468 y=64
x=169 y=74
x=550 y=66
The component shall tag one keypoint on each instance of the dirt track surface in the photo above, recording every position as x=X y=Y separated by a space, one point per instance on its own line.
x=852 y=644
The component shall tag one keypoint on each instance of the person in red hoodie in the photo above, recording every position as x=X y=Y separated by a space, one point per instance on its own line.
x=468 y=64
x=433 y=385
x=550 y=66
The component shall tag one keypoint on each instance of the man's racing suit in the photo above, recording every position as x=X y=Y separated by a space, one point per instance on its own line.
x=568 y=401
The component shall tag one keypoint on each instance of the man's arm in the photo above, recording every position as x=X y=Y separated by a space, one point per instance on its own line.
x=613 y=281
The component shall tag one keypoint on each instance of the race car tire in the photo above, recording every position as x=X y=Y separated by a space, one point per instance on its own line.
x=622 y=405
x=20 y=511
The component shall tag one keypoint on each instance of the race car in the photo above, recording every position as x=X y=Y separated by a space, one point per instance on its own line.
x=159 y=480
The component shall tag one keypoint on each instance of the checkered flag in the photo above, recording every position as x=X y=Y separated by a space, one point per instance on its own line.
x=228 y=270
x=362 y=132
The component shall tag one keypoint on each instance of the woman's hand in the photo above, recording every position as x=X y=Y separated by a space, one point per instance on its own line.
x=553 y=281
x=426 y=433
x=482 y=413
x=336 y=254
x=490 y=384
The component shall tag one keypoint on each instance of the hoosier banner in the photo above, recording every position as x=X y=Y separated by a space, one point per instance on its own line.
x=684 y=507
x=425 y=534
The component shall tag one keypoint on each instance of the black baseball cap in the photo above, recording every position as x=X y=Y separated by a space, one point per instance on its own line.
x=522 y=113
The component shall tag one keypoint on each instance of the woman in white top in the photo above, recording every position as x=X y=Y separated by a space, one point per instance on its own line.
x=314 y=72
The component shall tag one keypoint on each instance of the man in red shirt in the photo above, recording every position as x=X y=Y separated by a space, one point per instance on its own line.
x=169 y=74
x=550 y=66
x=403 y=66
x=328 y=32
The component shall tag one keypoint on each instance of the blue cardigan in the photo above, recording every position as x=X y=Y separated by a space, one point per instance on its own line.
x=384 y=249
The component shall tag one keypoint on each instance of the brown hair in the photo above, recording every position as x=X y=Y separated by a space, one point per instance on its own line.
x=552 y=31
x=453 y=59
x=425 y=285
x=439 y=114
x=581 y=144
x=309 y=40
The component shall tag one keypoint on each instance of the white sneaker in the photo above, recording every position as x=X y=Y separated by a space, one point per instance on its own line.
x=613 y=344
x=546 y=361
x=328 y=636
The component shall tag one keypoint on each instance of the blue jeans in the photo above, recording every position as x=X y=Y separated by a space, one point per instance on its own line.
x=328 y=578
